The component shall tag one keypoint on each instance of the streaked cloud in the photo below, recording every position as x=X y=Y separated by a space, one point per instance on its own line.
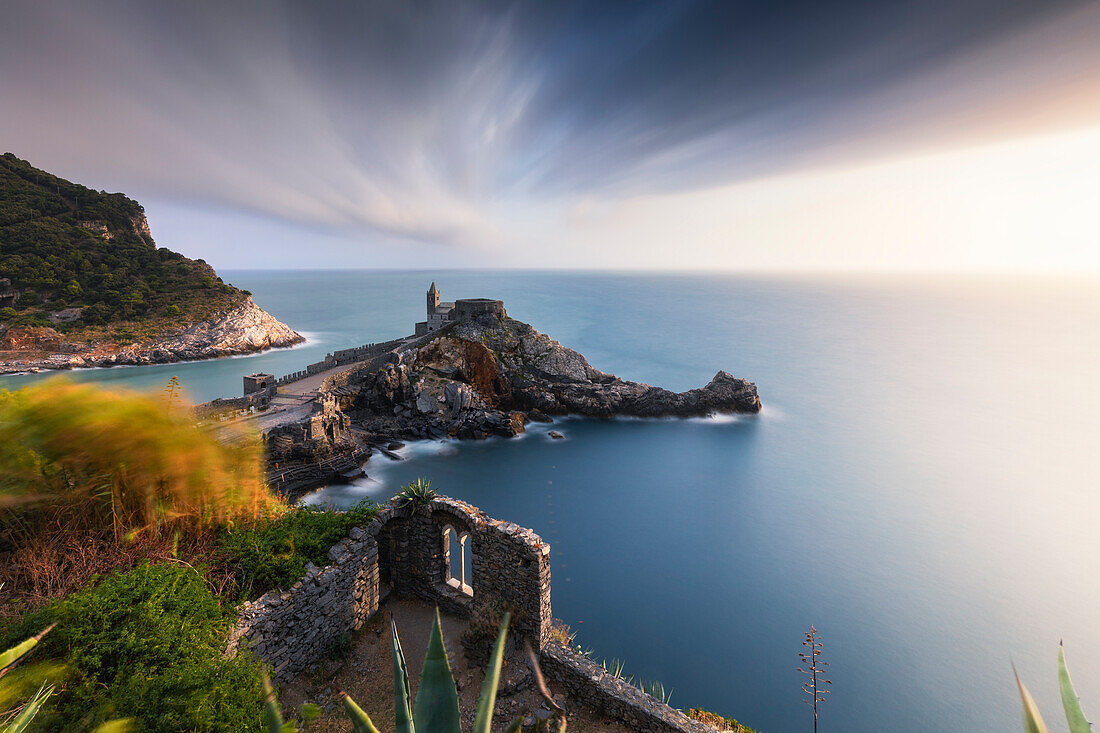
x=503 y=129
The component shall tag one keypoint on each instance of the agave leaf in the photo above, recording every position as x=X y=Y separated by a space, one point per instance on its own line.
x=360 y=721
x=23 y=720
x=436 y=697
x=1070 y=701
x=484 y=720
x=402 y=701
x=272 y=714
x=1033 y=722
x=9 y=657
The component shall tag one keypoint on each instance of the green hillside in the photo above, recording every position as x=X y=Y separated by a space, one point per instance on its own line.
x=65 y=246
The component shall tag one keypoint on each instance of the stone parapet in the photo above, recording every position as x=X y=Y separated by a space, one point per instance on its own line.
x=585 y=680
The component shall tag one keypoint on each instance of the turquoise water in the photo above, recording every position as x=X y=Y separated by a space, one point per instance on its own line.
x=921 y=484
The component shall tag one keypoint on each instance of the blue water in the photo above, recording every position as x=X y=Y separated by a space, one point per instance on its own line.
x=921 y=485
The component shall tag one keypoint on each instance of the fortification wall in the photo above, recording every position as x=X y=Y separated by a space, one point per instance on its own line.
x=470 y=309
x=341 y=358
x=232 y=405
x=290 y=629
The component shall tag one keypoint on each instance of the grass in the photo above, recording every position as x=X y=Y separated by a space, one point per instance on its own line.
x=272 y=553
x=128 y=462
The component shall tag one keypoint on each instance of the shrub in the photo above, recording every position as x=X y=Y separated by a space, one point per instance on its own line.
x=146 y=644
x=273 y=552
x=125 y=462
x=717 y=721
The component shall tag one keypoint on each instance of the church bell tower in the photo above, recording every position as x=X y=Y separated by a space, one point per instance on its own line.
x=433 y=299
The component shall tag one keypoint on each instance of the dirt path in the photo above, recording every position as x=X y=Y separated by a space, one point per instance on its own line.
x=364 y=669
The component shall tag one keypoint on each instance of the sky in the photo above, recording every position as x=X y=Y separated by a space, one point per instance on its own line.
x=933 y=135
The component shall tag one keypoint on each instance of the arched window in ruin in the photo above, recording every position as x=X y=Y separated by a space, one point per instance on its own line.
x=457 y=560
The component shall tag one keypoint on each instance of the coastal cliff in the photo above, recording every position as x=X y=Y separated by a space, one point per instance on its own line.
x=83 y=284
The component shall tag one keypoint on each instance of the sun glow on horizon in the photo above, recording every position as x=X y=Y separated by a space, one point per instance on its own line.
x=1028 y=203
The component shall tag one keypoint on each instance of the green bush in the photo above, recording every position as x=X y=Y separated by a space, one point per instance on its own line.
x=272 y=553
x=145 y=644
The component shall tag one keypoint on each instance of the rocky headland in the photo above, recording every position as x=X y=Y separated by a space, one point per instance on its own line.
x=83 y=284
x=471 y=380
x=244 y=329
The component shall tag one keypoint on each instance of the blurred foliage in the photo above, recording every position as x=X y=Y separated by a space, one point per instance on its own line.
x=145 y=644
x=52 y=250
x=121 y=461
x=272 y=552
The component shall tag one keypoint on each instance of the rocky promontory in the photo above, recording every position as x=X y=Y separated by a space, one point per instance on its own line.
x=244 y=329
x=471 y=380
x=507 y=366
x=83 y=284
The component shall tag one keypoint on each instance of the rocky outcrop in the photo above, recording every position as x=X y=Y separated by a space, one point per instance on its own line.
x=514 y=367
x=477 y=379
x=244 y=329
x=471 y=380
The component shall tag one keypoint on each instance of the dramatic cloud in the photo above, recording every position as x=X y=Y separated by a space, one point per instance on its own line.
x=506 y=128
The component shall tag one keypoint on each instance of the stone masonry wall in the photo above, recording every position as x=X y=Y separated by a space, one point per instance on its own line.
x=290 y=629
x=585 y=680
x=403 y=553
x=510 y=564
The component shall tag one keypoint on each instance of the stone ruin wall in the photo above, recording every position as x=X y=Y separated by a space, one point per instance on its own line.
x=583 y=679
x=232 y=406
x=403 y=553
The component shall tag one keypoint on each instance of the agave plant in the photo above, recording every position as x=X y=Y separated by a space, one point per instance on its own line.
x=1033 y=721
x=417 y=494
x=8 y=659
x=436 y=707
x=21 y=721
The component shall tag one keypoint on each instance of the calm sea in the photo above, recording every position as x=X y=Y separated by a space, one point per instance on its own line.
x=921 y=484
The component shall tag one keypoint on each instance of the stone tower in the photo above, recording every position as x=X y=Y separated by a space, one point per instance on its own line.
x=433 y=299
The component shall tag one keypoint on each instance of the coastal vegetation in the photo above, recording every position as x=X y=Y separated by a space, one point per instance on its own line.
x=272 y=551
x=143 y=644
x=131 y=532
x=130 y=535
x=65 y=246
x=417 y=494
x=436 y=708
x=816 y=684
